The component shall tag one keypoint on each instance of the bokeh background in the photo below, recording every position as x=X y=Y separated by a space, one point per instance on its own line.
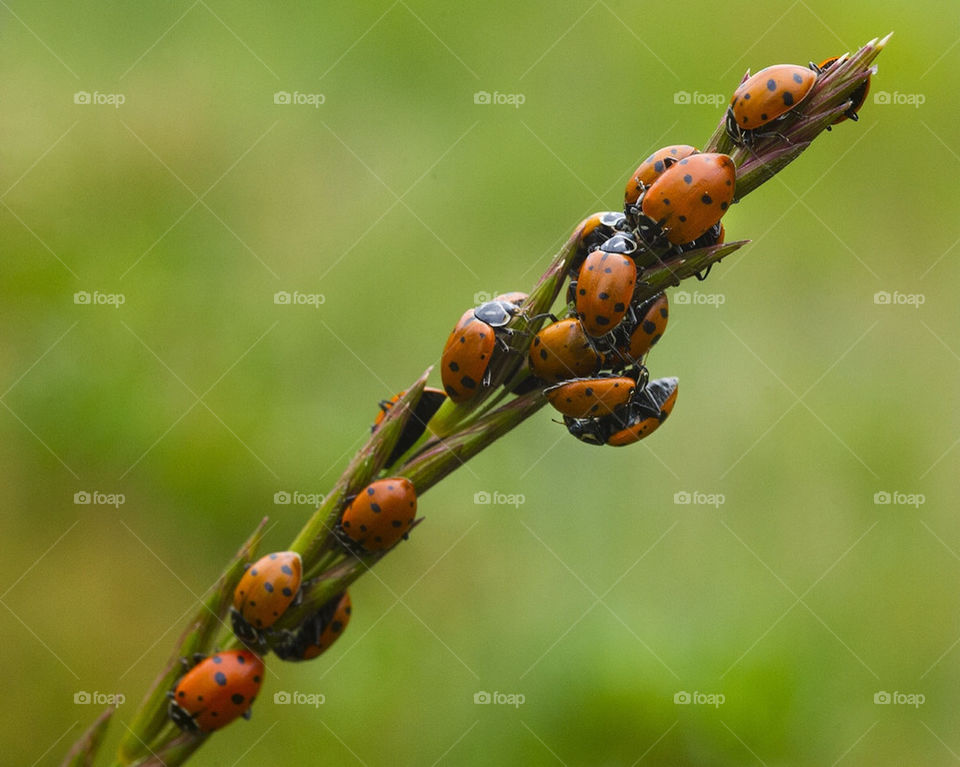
x=783 y=586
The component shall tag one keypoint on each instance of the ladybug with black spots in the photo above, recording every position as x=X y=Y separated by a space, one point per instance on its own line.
x=603 y=290
x=631 y=424
x=379 y=516
x=265 y=591
x=650 y=169
x=593 y=397
x=689 y=198
x=633 y=340
x=315 y=635
x=765 y=97
x=561 y=351
x=216 y=691
x=470 y=348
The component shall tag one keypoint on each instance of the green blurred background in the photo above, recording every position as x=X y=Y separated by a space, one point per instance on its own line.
x=398 y=199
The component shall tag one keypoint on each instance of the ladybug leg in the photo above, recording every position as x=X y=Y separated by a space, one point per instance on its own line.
x=701 y=276
x=733 y=130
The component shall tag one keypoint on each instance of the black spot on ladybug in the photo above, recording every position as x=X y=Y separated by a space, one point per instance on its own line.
x=683 y=219
x=687 y=179
x=746 y=97
x=181 y=694
x=214 y=713
x=797 y=79
x=336 y=627
x=582 y=291
x=788 y=99
x=253 y=571
x=217 y=659
x=363 y=528
x=287 y=591
x=655 y=339
x=375 y=508
x=370 y=491
x=252 y=604
x=468 y=382
x=620 y=307
x=771 y=84
x=706 y=199
x=286 y=569
x=220 y=678
x=463 y=339
x=723 y=206
x=685 y=161
x=603 y=296
x=237 y=698
x=396 y=523
x=666 y=201
x=649 y=326
x=268 y=587
x=345 y=523
x=543 y=354
x=763 y=116
x=601 y=320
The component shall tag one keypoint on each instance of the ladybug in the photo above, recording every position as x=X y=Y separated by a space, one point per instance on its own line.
x=380 y=515
x=465 y=363
x=268 y=587
x=561 y=351
x=766 y=96
x=604 y=289
x=689 y=198
x=318 y=632
x=425 y=409
x=633 y=342
x=857 y=98
x=591 y=397
x=216 y=691
x=651 y=168
x=630 y=424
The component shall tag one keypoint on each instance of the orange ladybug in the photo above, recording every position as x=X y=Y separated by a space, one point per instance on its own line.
x=604 y=289
x=318 y=632
x=690 y=197
x=216 y=691
x=591 y=397
x=268 y=587
x=766 y=96
x=651 y=168
x=380 y=515
x=561 y=351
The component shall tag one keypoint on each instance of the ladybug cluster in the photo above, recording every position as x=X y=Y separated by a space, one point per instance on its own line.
x=218 y=689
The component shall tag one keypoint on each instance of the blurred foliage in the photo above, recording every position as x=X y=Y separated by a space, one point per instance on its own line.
x=200 y=398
